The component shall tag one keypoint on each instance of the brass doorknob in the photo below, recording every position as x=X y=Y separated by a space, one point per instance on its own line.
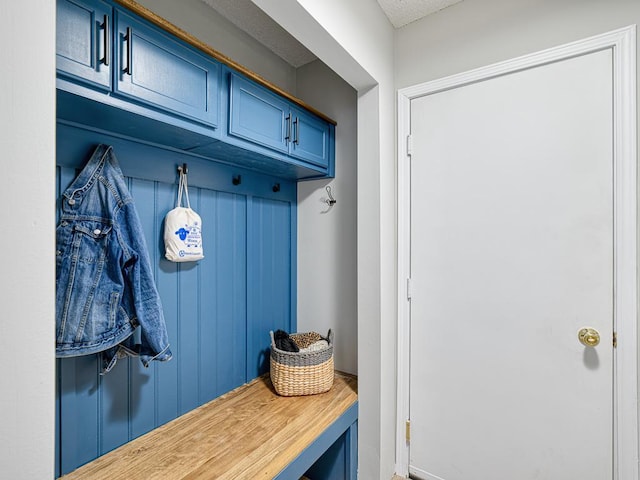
x=589 y=337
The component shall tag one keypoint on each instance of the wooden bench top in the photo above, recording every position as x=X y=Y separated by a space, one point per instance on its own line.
x=248 y=433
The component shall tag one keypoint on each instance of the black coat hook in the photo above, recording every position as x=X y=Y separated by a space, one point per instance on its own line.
x=276 y=187
x=237 y=179
x=330 y=201
x=183 y=169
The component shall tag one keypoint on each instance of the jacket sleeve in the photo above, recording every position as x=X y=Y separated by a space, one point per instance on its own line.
x=139 y=281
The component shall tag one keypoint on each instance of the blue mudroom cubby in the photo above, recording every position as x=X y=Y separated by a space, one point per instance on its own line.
x=160 y=102
x=218 y=311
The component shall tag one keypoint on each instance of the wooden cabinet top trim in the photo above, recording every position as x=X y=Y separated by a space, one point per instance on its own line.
x=207 y=49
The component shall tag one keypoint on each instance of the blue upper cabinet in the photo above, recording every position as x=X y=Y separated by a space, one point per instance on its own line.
x=83 y=41
x=155 y=69
x=258 y=115
x=311 y=138
x=261 y=117
x=121 y=73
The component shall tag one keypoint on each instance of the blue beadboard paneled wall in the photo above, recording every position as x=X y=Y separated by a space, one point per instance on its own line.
x=218 y=311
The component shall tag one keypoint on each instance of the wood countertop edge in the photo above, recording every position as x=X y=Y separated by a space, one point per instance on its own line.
x=207 y=49
x=172 y=463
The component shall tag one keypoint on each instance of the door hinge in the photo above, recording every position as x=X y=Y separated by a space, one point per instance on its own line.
x=615 y=340
x=409 y=289
x=407 y=431
x=409 y=144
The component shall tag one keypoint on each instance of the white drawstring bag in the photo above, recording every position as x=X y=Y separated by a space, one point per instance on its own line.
x=183 y=229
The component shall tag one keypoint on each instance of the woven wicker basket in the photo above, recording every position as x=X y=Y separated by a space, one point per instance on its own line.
x=302 y=373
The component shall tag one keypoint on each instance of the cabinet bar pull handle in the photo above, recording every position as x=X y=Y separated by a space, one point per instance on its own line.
x=128 y=37
x=296 y=131
x=105 y=40
x=287 y=137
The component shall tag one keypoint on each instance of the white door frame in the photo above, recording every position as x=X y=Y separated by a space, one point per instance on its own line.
x=622 y=42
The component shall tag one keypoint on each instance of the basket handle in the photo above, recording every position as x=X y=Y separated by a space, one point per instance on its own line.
x=330 y=337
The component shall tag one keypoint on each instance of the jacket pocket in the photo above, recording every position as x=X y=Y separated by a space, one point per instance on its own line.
x=90 y=240
x=87 y=301
x=114 y=306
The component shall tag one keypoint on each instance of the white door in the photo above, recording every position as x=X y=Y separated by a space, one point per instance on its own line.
x=512 y=253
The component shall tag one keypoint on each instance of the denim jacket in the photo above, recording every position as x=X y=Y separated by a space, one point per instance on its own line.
x=104 y=282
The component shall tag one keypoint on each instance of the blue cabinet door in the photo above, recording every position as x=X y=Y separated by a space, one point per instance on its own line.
x=154 y=69
x=83 y=40
x=261 y=117
x=310 y=138
x=257 y=115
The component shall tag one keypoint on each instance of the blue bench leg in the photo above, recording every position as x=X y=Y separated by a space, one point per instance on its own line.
x=351 y=457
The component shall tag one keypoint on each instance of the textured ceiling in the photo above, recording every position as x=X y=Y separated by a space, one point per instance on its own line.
x=245 y=15
x=402 y=12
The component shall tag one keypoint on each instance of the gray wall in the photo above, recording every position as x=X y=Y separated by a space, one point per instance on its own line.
x=327 y=273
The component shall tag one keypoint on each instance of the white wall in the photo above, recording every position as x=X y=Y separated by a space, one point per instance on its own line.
x=27 y=128
x=327 y=242
x=480 y=32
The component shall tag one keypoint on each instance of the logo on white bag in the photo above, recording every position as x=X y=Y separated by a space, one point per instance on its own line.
x=191 y=235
